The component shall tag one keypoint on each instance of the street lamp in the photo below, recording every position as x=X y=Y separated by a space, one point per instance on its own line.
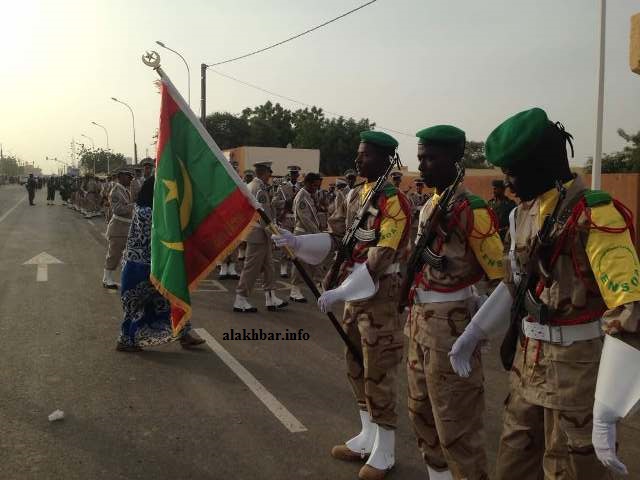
x=133 y=121
x=105 y=131
x=108 y=153
x=94 y=153
x=186 y=65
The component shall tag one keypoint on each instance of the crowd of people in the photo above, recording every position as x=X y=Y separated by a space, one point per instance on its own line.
x=464 y=262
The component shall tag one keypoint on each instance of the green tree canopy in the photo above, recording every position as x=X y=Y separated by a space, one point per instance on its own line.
x=9 y=165
x=625 y=161
x=99 y=159
x=474 y=156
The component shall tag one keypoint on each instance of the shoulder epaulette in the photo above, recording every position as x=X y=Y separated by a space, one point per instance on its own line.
x=476 y=202
x=596 y=197
x=390 y=190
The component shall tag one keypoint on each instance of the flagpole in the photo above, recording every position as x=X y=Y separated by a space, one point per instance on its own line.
x=152 y=59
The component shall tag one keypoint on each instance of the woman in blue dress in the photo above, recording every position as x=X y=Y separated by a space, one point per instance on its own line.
x=146 y=313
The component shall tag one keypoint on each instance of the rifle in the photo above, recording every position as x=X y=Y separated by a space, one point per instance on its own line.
x=525 y=297
x=422 y=253
x=355 y=231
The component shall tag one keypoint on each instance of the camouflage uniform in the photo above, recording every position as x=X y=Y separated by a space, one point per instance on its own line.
x=282 y=204
x=446 y=410
x=336 y=221
x=417 y=201
x=374 y=325
x=548 y=413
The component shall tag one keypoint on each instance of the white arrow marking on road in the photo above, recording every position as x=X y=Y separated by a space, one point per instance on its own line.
x=43 y=260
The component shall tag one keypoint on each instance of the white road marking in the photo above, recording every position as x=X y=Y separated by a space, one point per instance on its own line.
x=6 y=214
x=290 y=422
x=42 y=260
x=91 y=223
x=211 y=286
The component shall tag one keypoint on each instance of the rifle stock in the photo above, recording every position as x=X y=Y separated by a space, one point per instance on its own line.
x=428 y=233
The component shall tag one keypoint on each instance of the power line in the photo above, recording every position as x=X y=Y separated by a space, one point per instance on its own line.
x=289 y=99
x=294 y=37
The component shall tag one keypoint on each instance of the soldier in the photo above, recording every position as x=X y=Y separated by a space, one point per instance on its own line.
x=370 y=317
x=136 y=184
x=351 y=178
x=396 y=179
x=147 y=168
x=31 y=188
x=446 y=411
x=248 y=176
x=105 y=191
x=307 y=221
x=418 y=199
x=331 y=198
x=580 y=285
x=92 y=197
x=258 y=255
x=52 y=184
x=501 y=206
x=228 y=265
x=118 y=228
x=283 y=207
x=336 y=221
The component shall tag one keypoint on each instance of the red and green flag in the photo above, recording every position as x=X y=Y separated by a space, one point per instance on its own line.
x=201 y=208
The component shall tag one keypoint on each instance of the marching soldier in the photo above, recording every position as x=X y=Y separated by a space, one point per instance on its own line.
x=571 y=258
x=501 y=206
x=307 y=221
x=370 y=317
x=283 y=207
x=258 y=254
x=31 y=188
x=118 y=228
x=446 y=411
x=52 y=185
x=331 y=198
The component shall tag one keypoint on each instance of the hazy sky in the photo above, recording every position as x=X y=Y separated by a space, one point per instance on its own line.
x=405 y=64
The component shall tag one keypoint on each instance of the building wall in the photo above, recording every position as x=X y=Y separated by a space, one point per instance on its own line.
x=307 y=159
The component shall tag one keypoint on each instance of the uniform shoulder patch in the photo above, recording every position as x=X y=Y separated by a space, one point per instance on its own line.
x=390 y=190
x=476 y=202
x=596 y=197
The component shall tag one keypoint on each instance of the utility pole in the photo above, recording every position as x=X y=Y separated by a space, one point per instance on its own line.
x=596 y=169
x=203 y=93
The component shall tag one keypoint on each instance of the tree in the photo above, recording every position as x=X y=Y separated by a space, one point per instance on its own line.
x=229 y=130
x=269 y=124
x=625 y=161
x=99 y=159
x=474 y=156
x=9 y=165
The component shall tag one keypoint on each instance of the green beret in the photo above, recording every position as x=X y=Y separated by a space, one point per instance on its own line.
x=514 y=139
x=447 y=134
x=378 y=138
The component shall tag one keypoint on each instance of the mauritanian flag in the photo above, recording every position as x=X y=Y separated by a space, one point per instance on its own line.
x=201 y=208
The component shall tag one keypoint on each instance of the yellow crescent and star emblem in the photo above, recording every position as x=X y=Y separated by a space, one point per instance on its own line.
x=184 y=205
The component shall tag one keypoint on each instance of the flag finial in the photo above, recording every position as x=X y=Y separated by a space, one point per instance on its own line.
x=151 y=59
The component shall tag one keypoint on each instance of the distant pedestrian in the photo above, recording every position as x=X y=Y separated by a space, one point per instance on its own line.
x=31 y=188
x=52 y=184
x=501 y=206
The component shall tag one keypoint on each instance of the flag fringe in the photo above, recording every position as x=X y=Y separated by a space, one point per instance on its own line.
x=224 y=253
x=174 y=300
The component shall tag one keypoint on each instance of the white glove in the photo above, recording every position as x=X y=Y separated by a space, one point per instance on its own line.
x=603 y=438
x=463 y=348
x=357 y=286
x=328 y=298
x=285 y=239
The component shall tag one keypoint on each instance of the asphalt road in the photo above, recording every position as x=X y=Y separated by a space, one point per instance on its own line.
x=169 y=413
